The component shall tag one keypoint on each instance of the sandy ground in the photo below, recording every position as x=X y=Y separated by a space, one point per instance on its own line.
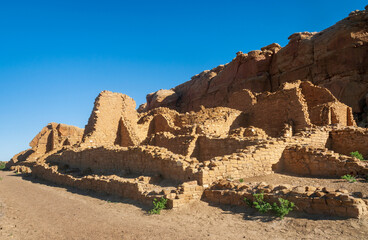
x=36 y=210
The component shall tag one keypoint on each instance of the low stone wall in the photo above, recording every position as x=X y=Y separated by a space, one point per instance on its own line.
x=176 y=144
x=253 y=161
x=142 y=159
x=349 y=140
x=201 y=147
x=319 y=162
x=257 y=160
x=208 y=148
x=306 y=198
x=134 y=188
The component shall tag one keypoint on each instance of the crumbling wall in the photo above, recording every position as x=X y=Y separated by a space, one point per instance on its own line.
x=273 y=110
x=112 y=121
x=201 y=147
x=140 y=189
x=258 y=160
x=248 y=132
x=349 y=140
x=208 y=148
x=162 y=123
x=319 y=162
x=176 y=144
x=324 y=108
x=216 y=121
x=250 y=162
x=119 y=160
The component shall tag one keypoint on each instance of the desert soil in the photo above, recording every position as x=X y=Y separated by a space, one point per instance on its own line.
x=34 y=209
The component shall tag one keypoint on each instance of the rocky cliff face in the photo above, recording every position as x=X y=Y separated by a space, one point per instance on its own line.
x=335 y=58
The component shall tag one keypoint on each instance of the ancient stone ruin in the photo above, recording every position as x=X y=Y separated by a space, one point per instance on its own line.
x=290 y=110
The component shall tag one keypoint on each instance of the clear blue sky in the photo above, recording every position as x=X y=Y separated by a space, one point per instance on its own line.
x=56 y=56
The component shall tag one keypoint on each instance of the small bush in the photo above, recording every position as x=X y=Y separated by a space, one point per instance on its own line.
x=281 y=210
x=241 y=180
x=284 y=207
x=349 y=178
x=2 y=165
x=357 y=155
x=259 y=203
x=158 y=205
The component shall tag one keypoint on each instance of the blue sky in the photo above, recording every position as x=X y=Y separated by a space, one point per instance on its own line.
x=56 y=56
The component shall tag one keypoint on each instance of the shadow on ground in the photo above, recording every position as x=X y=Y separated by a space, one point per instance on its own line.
x=251 y=214
x=102 y=196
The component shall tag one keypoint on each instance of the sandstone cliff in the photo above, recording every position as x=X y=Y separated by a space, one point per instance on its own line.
x=335 y=58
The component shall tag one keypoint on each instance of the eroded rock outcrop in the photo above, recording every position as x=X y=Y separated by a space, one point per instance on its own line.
x=54 y=136
x=335 y=58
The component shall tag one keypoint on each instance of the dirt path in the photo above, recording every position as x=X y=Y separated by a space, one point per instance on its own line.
x=35 y=210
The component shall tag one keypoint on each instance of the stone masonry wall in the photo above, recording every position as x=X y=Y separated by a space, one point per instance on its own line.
x=111 y=110
x=349 y=140
x=324 y=108
x=308 y=199
x=208 y=148
x=176 y=144
x=283 y=107
x=201 y=147
x=319 y=162
x=140 y=188
x=257 y=160
x=143 y=159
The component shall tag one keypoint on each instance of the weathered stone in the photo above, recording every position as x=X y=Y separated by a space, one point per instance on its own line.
x=54 y=136
x=334 y=58
x=113 y=121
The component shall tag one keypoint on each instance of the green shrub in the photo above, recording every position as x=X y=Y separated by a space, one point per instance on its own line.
x=241 y=180
x=284 y=207
x=2 y=165
x=349 y=178
x=259 y=203
x=158 y=205
x=356 y=154
x=281 y=209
